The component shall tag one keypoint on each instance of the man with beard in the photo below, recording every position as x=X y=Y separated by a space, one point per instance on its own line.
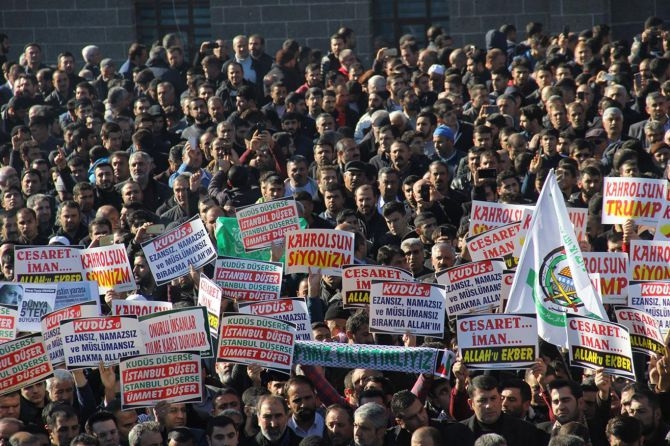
x=69 y=217
x=291 y=123
x=370 y=422
x=273 y=414
x=340 y=425
x=645 y=406
x=146 y=285
x=153 y=192
x=301 y=399
x=590 y=183
x=104 y=186
x=199 y=112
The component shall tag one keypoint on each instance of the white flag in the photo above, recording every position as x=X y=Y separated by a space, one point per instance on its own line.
x=551 y=278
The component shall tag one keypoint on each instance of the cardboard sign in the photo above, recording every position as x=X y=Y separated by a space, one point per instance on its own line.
x=248 y=280
x=42 y=264
x=649 y=260
x=138 y=308
x=595 y=343
x=486 y=215
x=51 y=327
x=177 y=330
x=325 y=249
x=645 y=336
x=23 y=362
x=8 y=320
x=109 y=267
x=401 y=307
x=611 y=269
x=172 y=254
x=640 y=199
x=257 y=340
x=209 y=296
x=357 y=279
x=293 y=310
x=148 y=379
x=507 y=280
x=37 y=300
x=472 y=287
x=72 y=293
x=497 y=341
x=264 y=223
x=653 y=298
x=496 y=243
x=376 y=357
x=88 y=341
x=577 y=217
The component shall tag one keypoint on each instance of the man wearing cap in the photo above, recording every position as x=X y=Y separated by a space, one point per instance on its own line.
x=355 y=175
x=443 y=140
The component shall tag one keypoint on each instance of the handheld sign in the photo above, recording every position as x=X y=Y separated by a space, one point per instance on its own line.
x=495 y=243
x=357 y=279
x=611 y=269
x=138 y=307
x=486 y=215
x=88 y=341
x=109 y=267
x=497 y=341
x=209 y=296
x=264 y=223
x=595 y=343
x=257 y=340
x=327 y=249
x=640 y=199
x=72 y=293
x=472 y=287
x=23 y=362
x=42 y=264
x=652 y=298
x=148 y=379
x=293 y=310
x=8 y=319
x=649 y=260
x=177 y=330
x=401 y=307
x=645 y=336
x=248 y=280
x=37 y=300
x=172 y=254
x=51 y=327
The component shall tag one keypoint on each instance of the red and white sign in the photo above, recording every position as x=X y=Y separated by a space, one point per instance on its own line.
x=265 y=223
x=324 y=249
x=23 y=362
x=293 y=310
x=109 y=267
x=51 y=327
x=209 y=296
x=357 y=279
x=649 y=260
x=609 y=272
x=645 y=336
x=473 y=287
x=248 y=280
x=640 y=199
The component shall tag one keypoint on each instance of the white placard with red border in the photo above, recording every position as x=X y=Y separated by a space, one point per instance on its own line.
x=639 y=199
x=8 y=320
x=649 y=260
x=109 y=267
x=609 y=272
x=645 y=336
x=495 y=243
x=183 y=329
x=23 y=362
x=263 y=224
x=293 y=310
x=653 y=298
x=248 y=280
x=357 y=279
x=51 y=327
x=209 y=296
x=472 y=287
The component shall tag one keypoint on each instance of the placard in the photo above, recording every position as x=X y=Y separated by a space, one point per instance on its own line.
x=209 y=296
x=109 y=267
x=23 y=362
x=649 y=260
x=325 y=249
x=401 y=307
x=486 y=215
x=645 y=336
x=72 y=293
x=51 y=327
x=611 y=269
x=37 y=300
x=357 y=279
x=640 y=199
x=594 y=343
x=172 y=254
x=257 y=340
x=248 y=280
x=148 y=379
x=497 y=341
x=138 y=308
x=496 y=243
x=8 y=320
x=88 y=341
x=472 y=287
x=264 y=223
x=177 y=330
x=577 y=217
x=654 y=299
x=293 y=310
x=41 y=264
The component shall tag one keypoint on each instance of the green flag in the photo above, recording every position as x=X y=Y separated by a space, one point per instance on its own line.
x=229 y=240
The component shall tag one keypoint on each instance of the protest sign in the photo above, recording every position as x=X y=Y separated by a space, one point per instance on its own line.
x=209 y=296
x=496 y=243
x=649 y=260
x=486 y=215
x=357 y=279
x=577 y=217
x=8 y=320
x=36 y=301
x=401 y=307
x=177 y=330
x=472 y=287
x=72 y=293
x=325 y=249
x=293 y=310
x=595 y=343
x=640 y=199
x=229 y=240
x=172 y=254
x=109 y=267
x=257 y=340
x=23 y=362
x=612 y=271
x=138 y=307
x=264 y=223
x=42 y=264
x=497 y=341
x=51 y=327
x=148 y=379
x=662 y=232
x=87 y=341
x=376 y=357
x=507 y=280
x=645 y=336
x=654 y=299
x=248 y=280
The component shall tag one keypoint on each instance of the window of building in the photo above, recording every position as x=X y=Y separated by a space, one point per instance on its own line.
x=393 y=18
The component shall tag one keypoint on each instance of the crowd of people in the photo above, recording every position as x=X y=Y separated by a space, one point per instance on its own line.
x=394 y=152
